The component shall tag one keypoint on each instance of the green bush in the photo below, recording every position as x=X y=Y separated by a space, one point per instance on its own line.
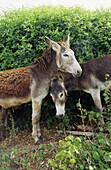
x=22 y=34
x=77 y=153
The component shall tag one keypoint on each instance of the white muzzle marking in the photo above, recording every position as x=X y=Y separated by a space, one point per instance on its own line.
x=60 y=111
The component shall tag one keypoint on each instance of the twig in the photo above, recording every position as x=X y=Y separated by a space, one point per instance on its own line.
x=79 y=133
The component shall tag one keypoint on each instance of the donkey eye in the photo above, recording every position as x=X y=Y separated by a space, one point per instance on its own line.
x=61 y=95
x=66 y=55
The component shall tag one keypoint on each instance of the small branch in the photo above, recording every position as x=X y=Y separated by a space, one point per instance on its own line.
x=82 y=133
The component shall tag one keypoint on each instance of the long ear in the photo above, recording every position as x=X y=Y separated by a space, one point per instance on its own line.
x=61 y=82
x=53 y=79
x=67 y=39
x=55 y=46
x=60 y=76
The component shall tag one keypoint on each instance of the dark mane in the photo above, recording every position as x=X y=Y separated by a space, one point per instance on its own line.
x=46 y=57
x=43 y=60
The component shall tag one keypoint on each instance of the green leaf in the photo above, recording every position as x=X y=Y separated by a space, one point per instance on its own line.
x=81 y=167
x=52 y=163
x=72 y=161
x=107 y=158
x=96 y=155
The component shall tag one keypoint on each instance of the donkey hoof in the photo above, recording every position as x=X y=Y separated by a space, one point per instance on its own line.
x=38 y=140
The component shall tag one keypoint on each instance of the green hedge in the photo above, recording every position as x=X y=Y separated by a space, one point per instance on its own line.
x=22 y=34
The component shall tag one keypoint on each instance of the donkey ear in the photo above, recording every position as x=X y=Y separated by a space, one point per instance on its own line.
x=66 y=39
x=60 y=77
x=55 y=46
x=53 y=79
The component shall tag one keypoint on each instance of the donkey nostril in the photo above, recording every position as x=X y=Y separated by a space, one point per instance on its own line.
x=78 y=73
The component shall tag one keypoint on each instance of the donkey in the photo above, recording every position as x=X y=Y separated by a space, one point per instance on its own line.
x=91 y=81
x=31 y=83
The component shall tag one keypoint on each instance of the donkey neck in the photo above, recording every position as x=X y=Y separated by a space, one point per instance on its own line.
x=78 y=83
x=52 y=66
x=45 y=68
x=70 y=82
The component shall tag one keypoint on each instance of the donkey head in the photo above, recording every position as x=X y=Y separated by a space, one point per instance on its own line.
x=58 y=94
x=65 y=58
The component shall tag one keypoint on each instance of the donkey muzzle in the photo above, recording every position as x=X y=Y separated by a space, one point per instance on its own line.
x=60 y=116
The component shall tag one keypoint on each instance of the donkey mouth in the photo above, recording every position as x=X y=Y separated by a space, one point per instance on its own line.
x=60 y=116
x=77 y=75
x=73 y=75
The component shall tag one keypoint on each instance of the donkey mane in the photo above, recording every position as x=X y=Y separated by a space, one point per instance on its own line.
x=46 y=57
x=62 y=44
x=43 y=60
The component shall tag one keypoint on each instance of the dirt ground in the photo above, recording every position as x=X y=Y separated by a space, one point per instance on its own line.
x=23 y=143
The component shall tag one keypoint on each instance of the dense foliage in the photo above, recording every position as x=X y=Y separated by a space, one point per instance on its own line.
x=22 y=33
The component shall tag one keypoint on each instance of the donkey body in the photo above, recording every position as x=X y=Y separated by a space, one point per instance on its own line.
x=91 y=81
x=31 y=83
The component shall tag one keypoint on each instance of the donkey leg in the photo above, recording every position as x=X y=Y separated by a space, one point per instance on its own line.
x=36 y=113
x=5 y=116
x=95 y=93
x=1 y=126
x=3 y=122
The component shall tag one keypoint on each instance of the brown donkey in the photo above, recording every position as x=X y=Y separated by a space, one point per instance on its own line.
x=91 y=81
x=31 y=83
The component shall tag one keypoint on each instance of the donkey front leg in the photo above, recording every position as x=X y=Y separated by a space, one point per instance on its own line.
x=95 y=93
x=3 y=122
x=36 y=113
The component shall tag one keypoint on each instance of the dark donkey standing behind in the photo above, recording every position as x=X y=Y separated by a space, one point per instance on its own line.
x=31 y=83
x=91 y=81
